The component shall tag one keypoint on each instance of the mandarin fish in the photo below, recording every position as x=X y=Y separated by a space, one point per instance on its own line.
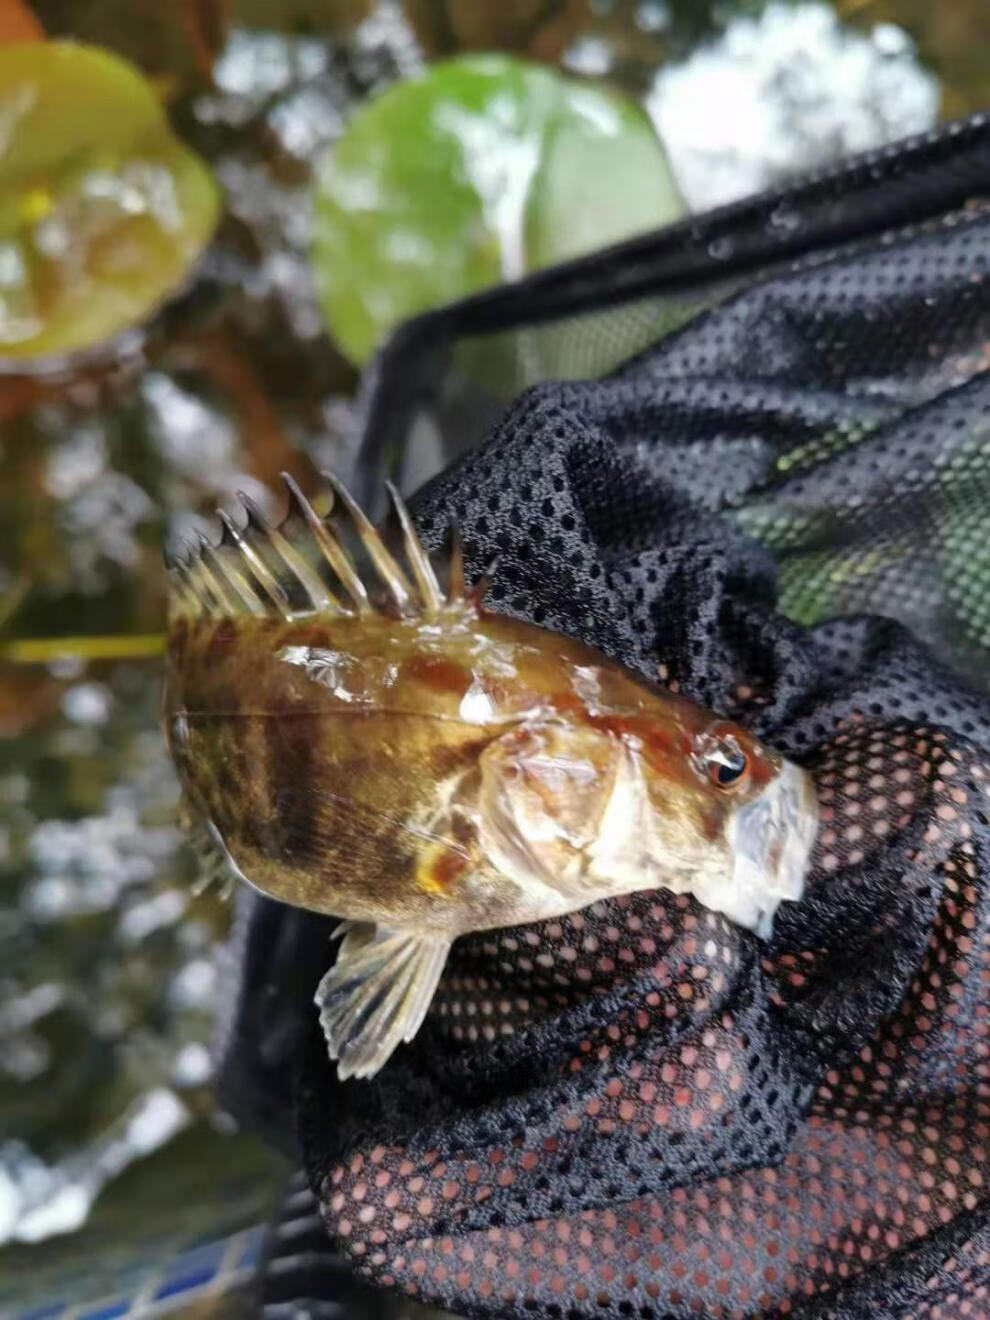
x=403 y=759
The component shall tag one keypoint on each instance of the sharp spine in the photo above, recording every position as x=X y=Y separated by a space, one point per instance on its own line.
x=331 y=549
x=456 y=588
x=419 y=562
x=318 y=595
x=226 y=574
x=189 y=594
x=477 y=593
x=388 y=570
x=263 y=575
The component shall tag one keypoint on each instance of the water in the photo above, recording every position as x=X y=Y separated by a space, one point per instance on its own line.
x=112 y=1154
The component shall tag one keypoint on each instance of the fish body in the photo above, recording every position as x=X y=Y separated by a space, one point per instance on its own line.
x=423 y=768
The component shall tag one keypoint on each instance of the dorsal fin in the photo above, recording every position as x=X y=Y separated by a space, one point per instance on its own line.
x=301 y=565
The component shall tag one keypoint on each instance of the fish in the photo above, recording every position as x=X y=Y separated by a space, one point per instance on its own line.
x=357 y=734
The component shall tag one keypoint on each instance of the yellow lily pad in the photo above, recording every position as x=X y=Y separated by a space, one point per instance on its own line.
x=102 y=209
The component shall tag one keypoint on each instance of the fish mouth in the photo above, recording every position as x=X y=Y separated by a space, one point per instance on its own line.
x=771 y=841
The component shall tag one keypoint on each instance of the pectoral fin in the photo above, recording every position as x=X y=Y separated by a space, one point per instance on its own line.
x=377 y=992
x=213 y=865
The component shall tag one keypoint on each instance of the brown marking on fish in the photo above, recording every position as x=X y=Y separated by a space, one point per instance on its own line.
x=442 y=675
x=221 y=640
x=179 y=633
x=313 y=635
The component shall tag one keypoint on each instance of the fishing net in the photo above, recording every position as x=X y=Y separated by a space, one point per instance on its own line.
x=782 y=509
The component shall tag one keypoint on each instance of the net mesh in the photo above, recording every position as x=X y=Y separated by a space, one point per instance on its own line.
x=780 y=509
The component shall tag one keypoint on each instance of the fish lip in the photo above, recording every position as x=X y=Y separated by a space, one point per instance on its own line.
x=771 y=839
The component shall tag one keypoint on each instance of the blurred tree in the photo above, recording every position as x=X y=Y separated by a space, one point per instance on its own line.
x=539 y=29
x=175 y=44
x=325 y=18
x=952 y=38
x=633 y=35
x=18 y=23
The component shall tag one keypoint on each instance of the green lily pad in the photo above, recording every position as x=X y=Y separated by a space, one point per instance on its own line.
x=477 y=172
x=102 y=209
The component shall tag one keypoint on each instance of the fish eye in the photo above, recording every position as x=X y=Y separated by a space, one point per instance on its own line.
x=727 y=764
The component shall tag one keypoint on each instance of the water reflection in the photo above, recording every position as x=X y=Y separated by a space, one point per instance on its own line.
x=37 y=1201
x=789 y=91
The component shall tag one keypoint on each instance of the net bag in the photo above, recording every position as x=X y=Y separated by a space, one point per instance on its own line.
x=780 y=509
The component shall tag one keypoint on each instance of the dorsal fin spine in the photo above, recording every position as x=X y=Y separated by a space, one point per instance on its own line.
x=258 y=567
x=226 y=574
x=476 y=594
x=262 y=573
x=189 y=598
x=318 y=595
x=330 y=548
x=426 y=580
x=456 y=588
x=388 y=570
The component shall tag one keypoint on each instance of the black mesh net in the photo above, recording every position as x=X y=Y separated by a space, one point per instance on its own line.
x=781 y=509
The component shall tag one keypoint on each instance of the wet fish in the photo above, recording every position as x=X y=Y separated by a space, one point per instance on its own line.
x=406 y=760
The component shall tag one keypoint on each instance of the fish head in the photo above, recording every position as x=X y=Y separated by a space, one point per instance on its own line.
x=734 y=816
x=592 y=802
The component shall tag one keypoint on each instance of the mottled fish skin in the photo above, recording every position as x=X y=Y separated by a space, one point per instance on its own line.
x=430 y=767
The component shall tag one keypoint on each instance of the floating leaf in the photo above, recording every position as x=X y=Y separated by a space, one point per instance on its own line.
x=102 y=209
x=479 y=171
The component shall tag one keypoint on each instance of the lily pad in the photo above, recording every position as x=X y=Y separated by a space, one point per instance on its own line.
x=102 y=210
x=477 y=172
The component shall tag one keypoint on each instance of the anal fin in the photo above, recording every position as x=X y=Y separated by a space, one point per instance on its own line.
x=377 y=992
